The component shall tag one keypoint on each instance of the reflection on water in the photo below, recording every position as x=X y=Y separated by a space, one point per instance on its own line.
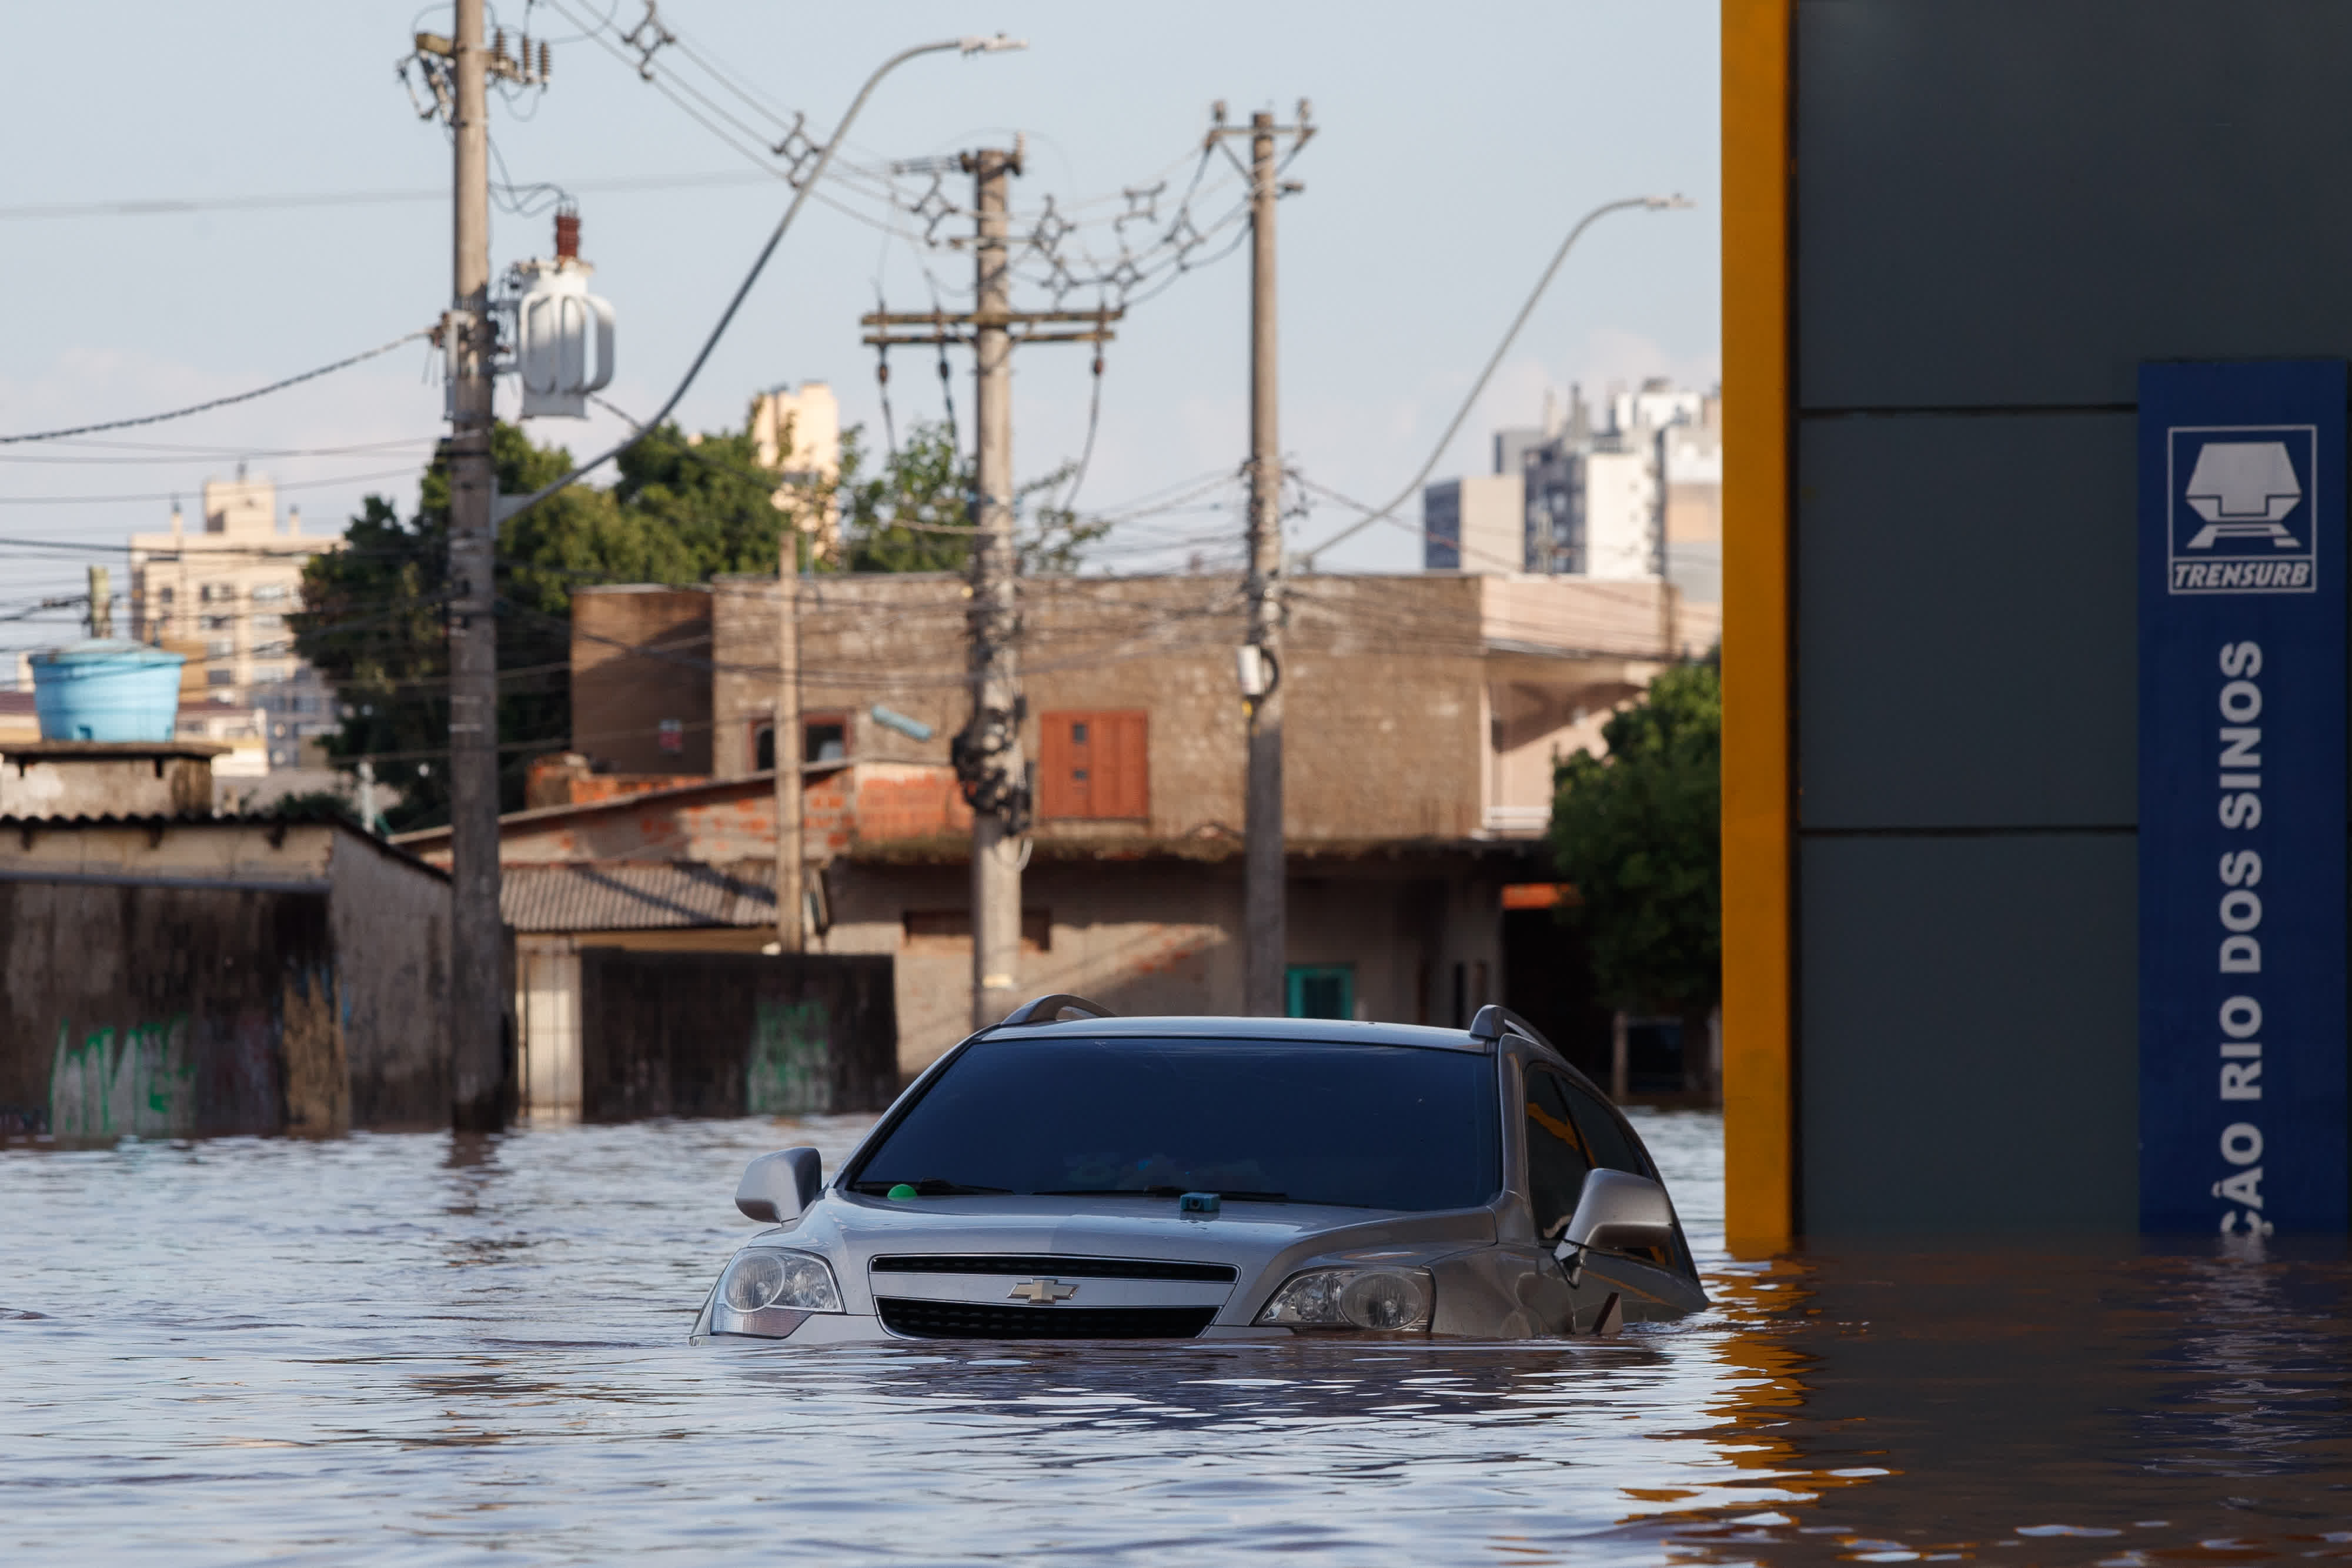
x=431 y=1348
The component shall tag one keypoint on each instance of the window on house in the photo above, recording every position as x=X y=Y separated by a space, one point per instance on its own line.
x=825 y=737
x=163 y=595
x=268 y=592
x=1094 y=764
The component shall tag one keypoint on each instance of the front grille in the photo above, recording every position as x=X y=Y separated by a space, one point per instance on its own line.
x=1059 y=1268
x=969 y=1320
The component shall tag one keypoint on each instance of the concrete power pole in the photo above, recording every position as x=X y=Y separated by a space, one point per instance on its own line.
x=990 y=767
x=1264 y=939
x=477 y=1010
x=1001 y=804
x=790 y=856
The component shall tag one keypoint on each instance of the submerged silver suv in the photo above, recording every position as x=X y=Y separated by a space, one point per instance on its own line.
x=1071 y=1175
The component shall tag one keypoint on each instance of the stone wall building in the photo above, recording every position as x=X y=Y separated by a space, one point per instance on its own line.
x=1425 y=713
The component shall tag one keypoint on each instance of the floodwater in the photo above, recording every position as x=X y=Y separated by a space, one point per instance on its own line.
x=429 y=1350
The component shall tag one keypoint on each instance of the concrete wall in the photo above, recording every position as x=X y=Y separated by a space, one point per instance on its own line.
x=390 y=924
x=217 y=976
x=1387 y=732
x=1162 y=936
x=106 y=779
x=640 y=657
x=2002 y=208
x=167 y=1011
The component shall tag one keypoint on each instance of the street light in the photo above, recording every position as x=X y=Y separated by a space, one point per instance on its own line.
x=1648 y=203
x=970 y=44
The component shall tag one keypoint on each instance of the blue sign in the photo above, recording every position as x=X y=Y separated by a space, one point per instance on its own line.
x=2243 y=798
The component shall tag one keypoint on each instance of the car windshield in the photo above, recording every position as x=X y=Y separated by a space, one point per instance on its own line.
x=1365 y=1126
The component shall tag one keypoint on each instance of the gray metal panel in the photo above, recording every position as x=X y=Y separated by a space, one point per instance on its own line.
x=1970 y=1036
x=1966 y=653
x=2013 y=202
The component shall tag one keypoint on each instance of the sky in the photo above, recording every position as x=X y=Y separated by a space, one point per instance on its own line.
x=1454 y=149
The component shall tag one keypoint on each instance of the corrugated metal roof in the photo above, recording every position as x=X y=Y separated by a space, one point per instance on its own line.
x=630 y=896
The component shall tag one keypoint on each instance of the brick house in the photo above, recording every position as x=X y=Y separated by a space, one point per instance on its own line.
x=1424 y=715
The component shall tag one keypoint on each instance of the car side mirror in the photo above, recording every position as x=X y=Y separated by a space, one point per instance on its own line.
x=1618 y=1211
x=780 y=1186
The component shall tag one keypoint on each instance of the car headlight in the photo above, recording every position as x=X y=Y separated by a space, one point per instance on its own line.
x=768 y=1277
x=1394 y=1299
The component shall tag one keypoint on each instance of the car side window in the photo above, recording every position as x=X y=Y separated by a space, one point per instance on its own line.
x=1611 y=1148
x=1558 y=1152
x=1615 y=1148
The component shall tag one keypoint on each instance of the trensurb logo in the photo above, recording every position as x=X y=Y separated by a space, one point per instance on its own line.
x=2245 y=509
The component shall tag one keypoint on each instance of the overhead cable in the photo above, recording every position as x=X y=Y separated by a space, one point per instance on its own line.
x=1651 y=203
x=220 y=402
x=968 y=45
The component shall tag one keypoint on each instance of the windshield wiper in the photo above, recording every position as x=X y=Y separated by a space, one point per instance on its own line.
x=932 y=1186
x=1238 y=1195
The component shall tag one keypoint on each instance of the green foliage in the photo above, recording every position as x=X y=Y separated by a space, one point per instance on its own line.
x=374 y=616
x=912 y=513
x=1638 y=833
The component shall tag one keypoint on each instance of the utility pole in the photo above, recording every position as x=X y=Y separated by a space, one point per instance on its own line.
x=790 y=856
x=476 y=1011
x=996 y=707
x=1264 y=928
x=990 y=768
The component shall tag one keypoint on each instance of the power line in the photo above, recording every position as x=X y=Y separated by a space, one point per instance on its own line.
x=176 y=494
x=220 y=402
x=1650 y=203
x=172 y=207
x=183 y=455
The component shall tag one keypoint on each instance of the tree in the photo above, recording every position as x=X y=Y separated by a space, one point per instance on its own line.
x=373 y=617
x=1638 y=833
x=913 y=513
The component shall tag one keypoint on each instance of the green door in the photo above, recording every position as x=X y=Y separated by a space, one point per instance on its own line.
x=1321 y=991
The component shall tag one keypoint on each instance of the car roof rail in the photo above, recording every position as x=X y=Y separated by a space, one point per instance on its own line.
x=1494 y=1020
x=1049 y=1009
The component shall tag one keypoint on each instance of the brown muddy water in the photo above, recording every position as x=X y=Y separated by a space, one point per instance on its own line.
x=427 y=1350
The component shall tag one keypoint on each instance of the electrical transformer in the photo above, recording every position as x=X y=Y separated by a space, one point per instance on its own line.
x=554 y=317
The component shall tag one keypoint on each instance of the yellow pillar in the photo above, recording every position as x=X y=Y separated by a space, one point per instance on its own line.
x=1758 y=1132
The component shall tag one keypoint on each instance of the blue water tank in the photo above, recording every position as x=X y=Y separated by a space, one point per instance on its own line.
x=106 y=689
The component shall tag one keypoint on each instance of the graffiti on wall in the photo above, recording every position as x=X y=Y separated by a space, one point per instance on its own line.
x=788 y=1072
x=108 y=1081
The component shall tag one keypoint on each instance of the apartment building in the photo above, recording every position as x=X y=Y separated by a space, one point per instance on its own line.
x=221 y=596
x=797 y=431
x=1628 y=491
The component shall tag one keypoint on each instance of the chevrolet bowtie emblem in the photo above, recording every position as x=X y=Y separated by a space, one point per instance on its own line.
x=1043 y=1292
